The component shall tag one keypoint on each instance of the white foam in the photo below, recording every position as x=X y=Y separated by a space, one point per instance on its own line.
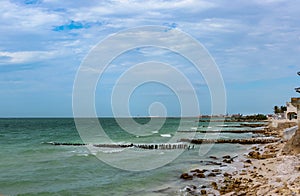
x=165 y=135
x=194 y=128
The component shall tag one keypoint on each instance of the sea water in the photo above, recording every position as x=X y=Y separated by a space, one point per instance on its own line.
x=30 y=165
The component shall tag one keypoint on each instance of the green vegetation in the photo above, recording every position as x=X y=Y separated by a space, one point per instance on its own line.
x=278 y=110
x=255 y=117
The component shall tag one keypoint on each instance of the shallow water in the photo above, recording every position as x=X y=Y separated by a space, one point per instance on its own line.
x=29 y=166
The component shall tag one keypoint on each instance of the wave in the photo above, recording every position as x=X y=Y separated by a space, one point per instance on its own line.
x=94 y=150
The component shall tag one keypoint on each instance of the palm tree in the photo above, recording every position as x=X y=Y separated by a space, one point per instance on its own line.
x=276 y=109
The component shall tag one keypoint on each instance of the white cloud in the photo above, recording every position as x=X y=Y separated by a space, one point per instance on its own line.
x=238 y=33
x=26 y=18
x=25 y=56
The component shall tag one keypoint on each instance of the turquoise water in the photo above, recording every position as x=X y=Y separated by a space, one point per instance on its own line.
x=30 y=166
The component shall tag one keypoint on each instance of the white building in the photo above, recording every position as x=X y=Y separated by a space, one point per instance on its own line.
x=291 y=111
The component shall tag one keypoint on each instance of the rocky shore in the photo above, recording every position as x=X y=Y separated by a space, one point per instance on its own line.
x=267 y=169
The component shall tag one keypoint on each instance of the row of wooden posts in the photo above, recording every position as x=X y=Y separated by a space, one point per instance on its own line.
x=183 y=143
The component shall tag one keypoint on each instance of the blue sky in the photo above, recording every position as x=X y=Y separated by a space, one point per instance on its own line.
x=256 y=45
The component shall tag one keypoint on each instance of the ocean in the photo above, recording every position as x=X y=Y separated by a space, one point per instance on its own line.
x=30 y=165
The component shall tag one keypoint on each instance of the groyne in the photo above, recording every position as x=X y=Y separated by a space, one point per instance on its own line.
x=234 y=141
x=225 y=131
x=182 y=143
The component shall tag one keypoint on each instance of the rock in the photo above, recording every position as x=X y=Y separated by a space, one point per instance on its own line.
x=193 y=186
x=196 y=171
x=211 y=175
x=213 y=163
x=297 y=167
x=190 y=189
x=227 y=174
x=201 y=175
x=213 y=157
x=242 y=193
x=203 y=192
x=227 y=160
x=257 y=185
x=186 y=176
x=226 y=157
x=216 y=170
x=267 y=156
x=279 y=159
x=254 y=154
x=214 y=185
x=227 y=179
x=254 y=148
x=248 y=161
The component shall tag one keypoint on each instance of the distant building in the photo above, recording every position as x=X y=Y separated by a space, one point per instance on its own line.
x=291 y=111
x=236 y=116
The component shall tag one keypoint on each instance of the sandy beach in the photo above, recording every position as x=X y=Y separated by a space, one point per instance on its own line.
x=266 y=169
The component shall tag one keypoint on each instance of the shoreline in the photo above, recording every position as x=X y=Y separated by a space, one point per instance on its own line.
x=263 y=170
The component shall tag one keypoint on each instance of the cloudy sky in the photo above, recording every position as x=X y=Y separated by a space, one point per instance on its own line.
x=255 y=44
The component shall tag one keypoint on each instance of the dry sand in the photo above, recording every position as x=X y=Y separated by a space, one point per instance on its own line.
x=268 y=169
x=271 y=176
x=272 y=170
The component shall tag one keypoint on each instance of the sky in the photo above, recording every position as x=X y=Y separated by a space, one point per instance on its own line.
x=255 y=45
